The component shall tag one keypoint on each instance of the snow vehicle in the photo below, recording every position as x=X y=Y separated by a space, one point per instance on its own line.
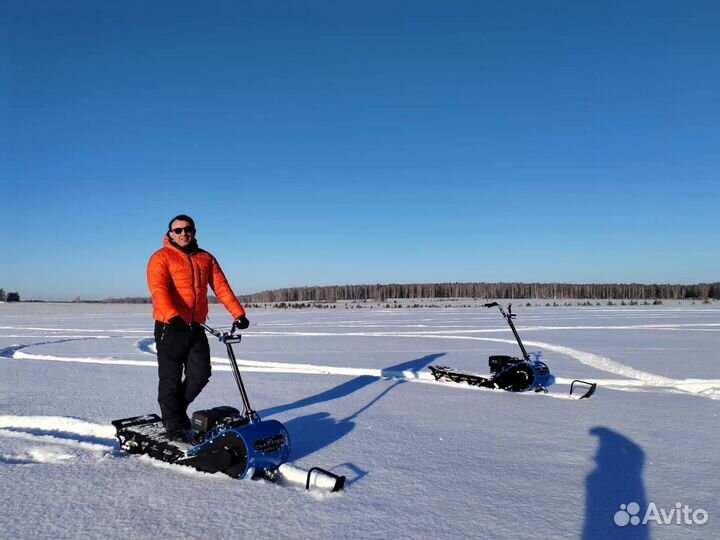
x=222 y=439
x=508 y=372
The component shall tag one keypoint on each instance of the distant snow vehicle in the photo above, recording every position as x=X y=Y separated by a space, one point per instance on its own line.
x=508 y=372
x=221 y=439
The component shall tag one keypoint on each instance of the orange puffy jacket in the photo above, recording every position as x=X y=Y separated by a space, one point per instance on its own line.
x=179 y=282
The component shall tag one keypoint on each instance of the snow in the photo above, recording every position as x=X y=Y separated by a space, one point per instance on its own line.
x=423 y=459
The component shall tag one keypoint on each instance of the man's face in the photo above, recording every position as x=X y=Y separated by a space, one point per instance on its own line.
x=181 y=232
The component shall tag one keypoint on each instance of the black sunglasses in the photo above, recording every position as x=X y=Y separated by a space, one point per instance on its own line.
x=178 y=230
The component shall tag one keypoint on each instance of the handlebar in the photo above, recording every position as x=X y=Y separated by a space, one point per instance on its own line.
x=229 y=338
x=224 y=336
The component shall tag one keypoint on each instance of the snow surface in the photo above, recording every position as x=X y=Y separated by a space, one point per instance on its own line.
x=423 y=459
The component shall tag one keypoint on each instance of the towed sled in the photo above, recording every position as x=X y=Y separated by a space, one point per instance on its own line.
x=222 y=439
x=511 y=373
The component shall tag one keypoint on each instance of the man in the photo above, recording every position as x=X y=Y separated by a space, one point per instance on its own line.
x=178 y=276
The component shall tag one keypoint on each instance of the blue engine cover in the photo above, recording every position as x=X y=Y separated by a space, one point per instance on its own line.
x=248 y=449
x=543 y=377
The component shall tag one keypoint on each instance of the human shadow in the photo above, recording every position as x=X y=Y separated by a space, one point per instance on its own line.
x=612 y=487
x=315 y=431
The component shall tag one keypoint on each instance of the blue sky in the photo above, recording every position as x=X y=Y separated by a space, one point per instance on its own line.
x=326 y=142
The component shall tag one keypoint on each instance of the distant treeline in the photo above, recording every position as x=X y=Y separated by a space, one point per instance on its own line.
x=490 y=291
x=381 y=293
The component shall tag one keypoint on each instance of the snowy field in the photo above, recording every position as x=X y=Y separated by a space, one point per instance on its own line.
x=423 y=459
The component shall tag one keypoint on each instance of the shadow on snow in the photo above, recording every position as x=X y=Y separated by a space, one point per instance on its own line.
x=318 y=430
x=616 y=480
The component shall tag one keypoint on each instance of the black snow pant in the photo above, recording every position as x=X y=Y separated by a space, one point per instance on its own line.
x=180 y=350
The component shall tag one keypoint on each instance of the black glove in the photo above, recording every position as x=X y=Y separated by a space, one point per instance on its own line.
x=241 y=323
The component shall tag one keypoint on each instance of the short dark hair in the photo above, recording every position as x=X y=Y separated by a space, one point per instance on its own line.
x=182 y=217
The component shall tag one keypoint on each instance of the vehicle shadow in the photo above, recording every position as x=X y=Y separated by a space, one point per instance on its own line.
x=353 y=385
x=612 y=487
x=317 y=430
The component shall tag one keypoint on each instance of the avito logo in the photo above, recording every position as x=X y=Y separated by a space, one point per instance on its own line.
x=681 y=514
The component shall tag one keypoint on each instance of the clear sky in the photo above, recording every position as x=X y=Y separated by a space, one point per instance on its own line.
x=333 y=142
